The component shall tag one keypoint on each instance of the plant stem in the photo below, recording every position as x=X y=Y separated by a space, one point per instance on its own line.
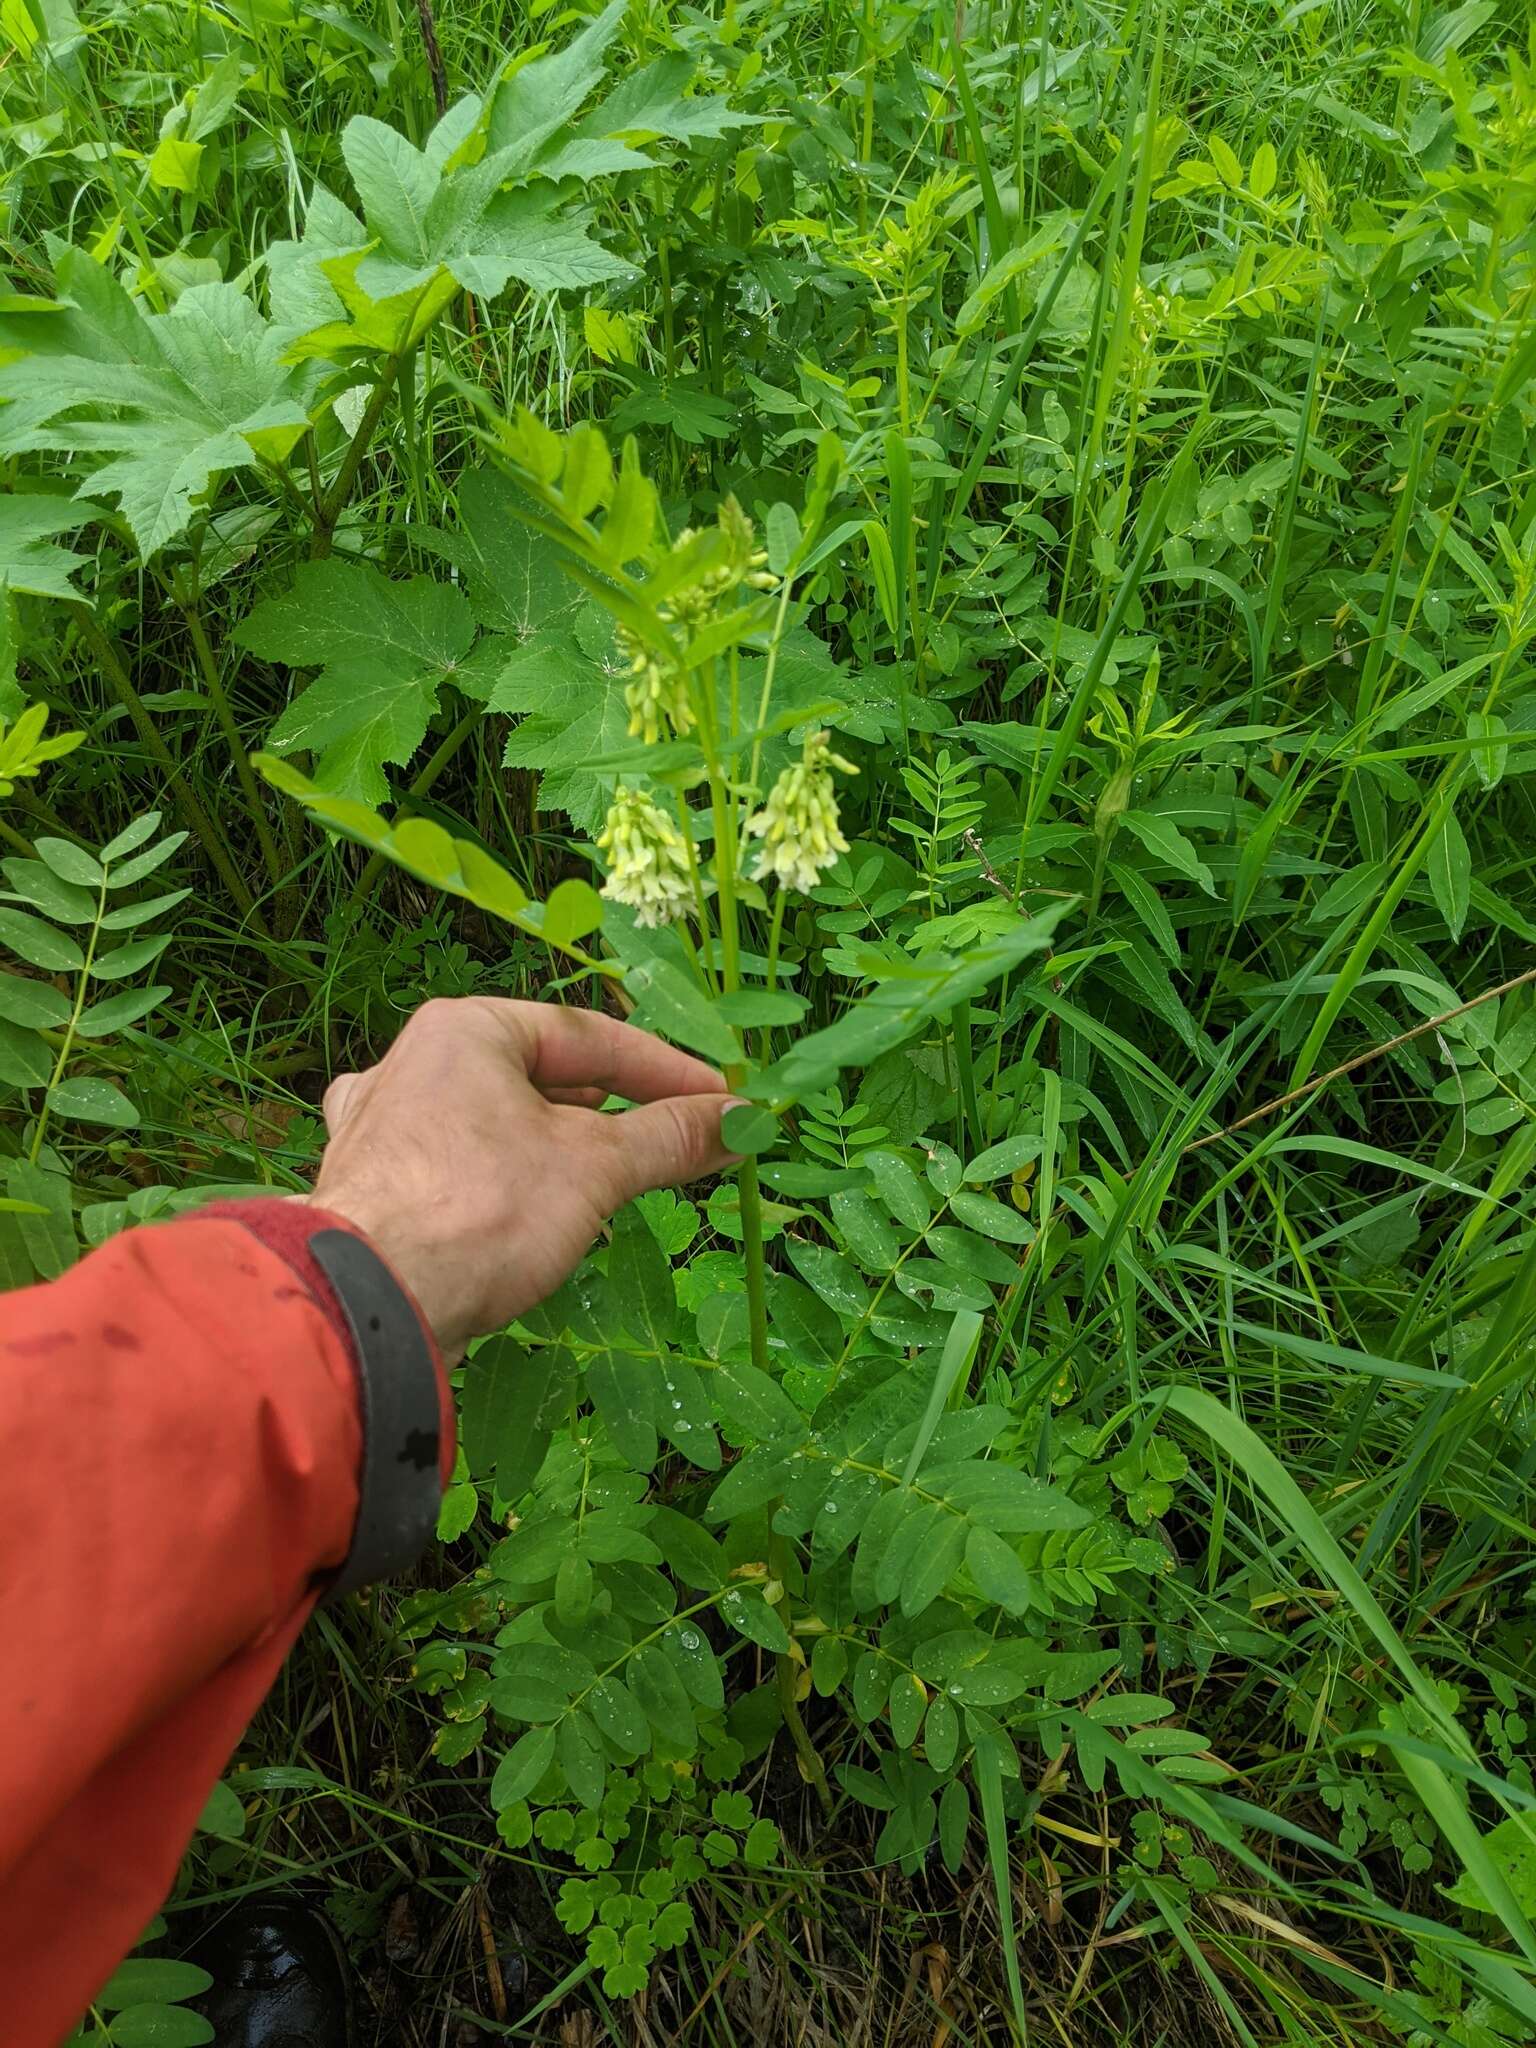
x=1360 y=1059
x=752 y=1244
x=198 y=821
x=434 y=56
x=245 y=774
x=726 y=843
x=335 y=503
x=867 y=125
x=811 y=1764
x=34 y=1151
x=442 y=754
x=664 y=270
x=960 y=1030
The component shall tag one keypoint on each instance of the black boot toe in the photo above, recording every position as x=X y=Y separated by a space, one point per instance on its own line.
x=280 y=1979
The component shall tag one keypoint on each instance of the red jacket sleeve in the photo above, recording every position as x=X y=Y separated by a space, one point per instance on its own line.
x=181 y=1437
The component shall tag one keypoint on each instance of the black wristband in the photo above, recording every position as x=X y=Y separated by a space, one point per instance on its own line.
x=400 y=1485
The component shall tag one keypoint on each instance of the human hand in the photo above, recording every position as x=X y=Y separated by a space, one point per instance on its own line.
x=475 y=1158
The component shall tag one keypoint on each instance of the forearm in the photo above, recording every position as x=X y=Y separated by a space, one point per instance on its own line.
x=184 y=1436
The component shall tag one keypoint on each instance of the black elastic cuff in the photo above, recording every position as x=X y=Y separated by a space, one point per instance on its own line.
x=400 y=1485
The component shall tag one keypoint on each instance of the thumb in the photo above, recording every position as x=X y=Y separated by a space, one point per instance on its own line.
x=662 y=1144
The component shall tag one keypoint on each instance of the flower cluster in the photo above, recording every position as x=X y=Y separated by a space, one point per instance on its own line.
x=657 y=692
x=647 y=859
x=798 y=825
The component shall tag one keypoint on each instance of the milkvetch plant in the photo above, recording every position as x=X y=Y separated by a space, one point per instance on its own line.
x=876 y=1544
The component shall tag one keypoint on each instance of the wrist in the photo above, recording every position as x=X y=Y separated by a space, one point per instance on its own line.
x=407 y=1258
x=404 y=1401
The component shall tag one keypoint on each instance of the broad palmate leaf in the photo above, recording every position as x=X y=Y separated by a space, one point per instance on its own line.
x=28 y=561
x=483 y=202
x=383 y=650
x=569 y=685
x=151 y=408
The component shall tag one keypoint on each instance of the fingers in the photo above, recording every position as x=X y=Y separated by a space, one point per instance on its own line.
x=576 y=1098
x=665 y=1143
x=585 y=1049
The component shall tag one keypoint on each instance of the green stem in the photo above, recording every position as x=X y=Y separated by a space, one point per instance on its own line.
x=442 y=754
x=700 y=900
x=224 y=711
x=35 y=1150
x=867 y=126
x=726 y=852
x=960 y=1027
x=664 y=271
x=198 y=821
x=903 y=373
x=775 y=933
x=812 y=1765
x=335 y=503
x=1100 y=860
x=752 y=1244
x=14 y=838
x=770 y=666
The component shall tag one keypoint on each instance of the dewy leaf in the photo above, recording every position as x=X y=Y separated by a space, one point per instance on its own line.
x=36 y=1005
x=152 y=1980
x=25 y=1059
x=884 y=1019
x=1450 y=874
x=522 y=1767
x=669 y=999
x=93 y=1101
x=383 y=650
x=171 y=401
x=1166 y=843
x=625 y=1392
x=510 y=1399
x=48 y=1235
x=645 y=1297
x=38 y=943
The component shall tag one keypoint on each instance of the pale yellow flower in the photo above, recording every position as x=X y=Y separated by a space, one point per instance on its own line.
x=656 y=694
x=647 y=859
x=798 y=825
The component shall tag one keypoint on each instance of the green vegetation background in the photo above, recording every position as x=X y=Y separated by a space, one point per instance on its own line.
x=1136 y=406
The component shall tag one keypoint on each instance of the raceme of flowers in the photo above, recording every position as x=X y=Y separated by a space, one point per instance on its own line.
x=647 y=859
x=798 y=826
x=657 y=693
